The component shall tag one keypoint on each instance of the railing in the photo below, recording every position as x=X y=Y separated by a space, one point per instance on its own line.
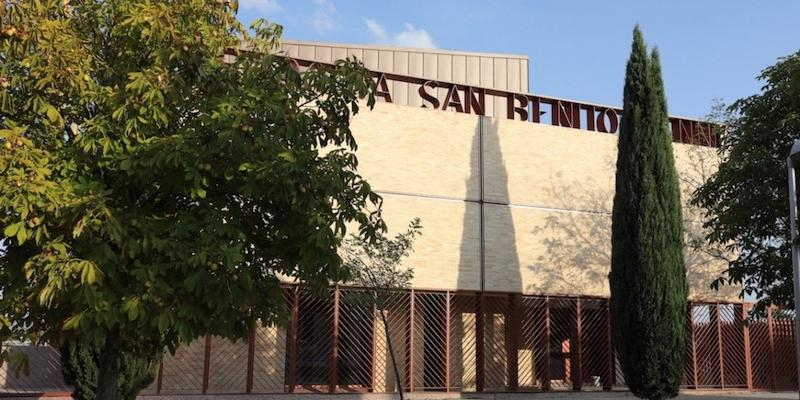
x=467 y=341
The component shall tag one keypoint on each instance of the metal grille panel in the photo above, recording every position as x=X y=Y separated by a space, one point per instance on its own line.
x=45 y=368
x=563 y=343
x=430 y=330
x=463 y=325
x=453 y=341
x=314 y=341
x=533 y=355
x=395 y=308
x=496 y=333
x=227 y=366
x=356 y=340
x=785 y=359
x=183 y=372
x=595 y=344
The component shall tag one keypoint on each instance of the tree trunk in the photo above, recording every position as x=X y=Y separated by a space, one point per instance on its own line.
x=109 y=368
x=391 y=353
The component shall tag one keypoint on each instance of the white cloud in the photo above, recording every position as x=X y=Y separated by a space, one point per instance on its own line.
x=263 y=6
x=413 y=37
x=325 y=16
x=410 y=36
x=376 y=30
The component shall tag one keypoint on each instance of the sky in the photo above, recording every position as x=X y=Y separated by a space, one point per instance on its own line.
x=577 y=49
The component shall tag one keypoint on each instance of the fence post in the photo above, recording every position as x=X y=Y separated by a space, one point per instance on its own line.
x=576 y=349
x=251 y=351
x=480 y=356
x=374 y=349
x=773 y=368
x=160 y=376
x=206 y=363
x=334 y=371
x=611 y=368
x=694 y=345
x=720 y=347
x=293 y=327
x=447 y=343
x=546 y=374
x=748 y=360
x=410 y=345
x=513 y=353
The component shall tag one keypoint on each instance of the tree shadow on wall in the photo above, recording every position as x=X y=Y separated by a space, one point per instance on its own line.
x=501 y=266
x=576 y=240
x=575 y=244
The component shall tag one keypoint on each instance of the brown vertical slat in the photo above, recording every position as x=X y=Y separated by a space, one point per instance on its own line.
x=772 y=355
x=546 y=375
x=251 y=352
x=293 y=327
x=694 y=344
x=160 y=377
x=610 y=371
x=447 y=343
x=576 y=350
x=480 y=372
x=410 y=345
x=206 y=363
x=334 y=343
x=720 y=347
x=748 y=360
x=374 y=350
x=513 y=354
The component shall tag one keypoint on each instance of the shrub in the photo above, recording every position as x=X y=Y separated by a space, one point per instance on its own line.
x=79 y=367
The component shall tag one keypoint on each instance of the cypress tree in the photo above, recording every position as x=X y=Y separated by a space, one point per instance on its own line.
x=648 y=275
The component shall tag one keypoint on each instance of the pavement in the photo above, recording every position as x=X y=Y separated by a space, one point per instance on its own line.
x=688 y=395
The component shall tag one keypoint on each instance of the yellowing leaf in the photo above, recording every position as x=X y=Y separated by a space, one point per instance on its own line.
x=11 y=230
x=88 y=273
x=73 y=321
x=52 y=114
x=22 y=235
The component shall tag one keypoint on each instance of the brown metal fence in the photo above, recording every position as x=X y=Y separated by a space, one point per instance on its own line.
x=494 y=342
x=467 y=341
x=45 y=367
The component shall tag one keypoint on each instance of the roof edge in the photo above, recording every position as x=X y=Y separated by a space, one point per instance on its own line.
x=414 y=49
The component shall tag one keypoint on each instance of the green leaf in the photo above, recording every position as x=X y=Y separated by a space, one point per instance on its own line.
x=22 y=234
x=52 y=114
x=88 y=273
x=73 y=322
x=131 y=305
x=288 y=156
x=11 y=230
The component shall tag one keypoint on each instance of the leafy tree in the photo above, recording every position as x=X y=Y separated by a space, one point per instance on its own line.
x=152 y=190
x=375 y=265
x=648 y=276
x=745 y=200
x=79 y=365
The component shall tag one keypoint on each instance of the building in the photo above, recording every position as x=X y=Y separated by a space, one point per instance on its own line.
x=514 y=192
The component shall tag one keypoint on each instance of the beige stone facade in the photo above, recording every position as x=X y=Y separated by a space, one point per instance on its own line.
x=546 y=194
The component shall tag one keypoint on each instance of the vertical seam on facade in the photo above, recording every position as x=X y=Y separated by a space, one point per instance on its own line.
x=481 y=204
